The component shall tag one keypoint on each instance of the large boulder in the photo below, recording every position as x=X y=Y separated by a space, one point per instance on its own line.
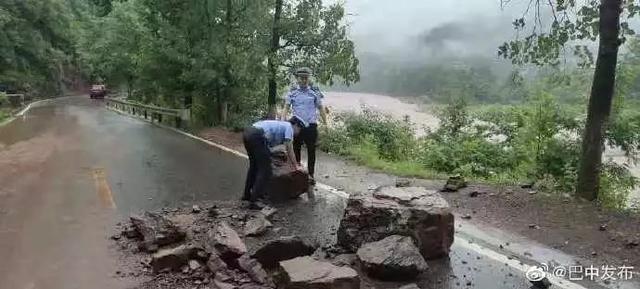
x=286 y=183
x=172 y=259
x=413 y=211
x=156 y=231
x=226 y=242
x=306 y=272
x=392 y=258
x=284 y=248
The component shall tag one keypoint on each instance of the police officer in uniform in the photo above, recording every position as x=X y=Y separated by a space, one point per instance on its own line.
x=305 y=102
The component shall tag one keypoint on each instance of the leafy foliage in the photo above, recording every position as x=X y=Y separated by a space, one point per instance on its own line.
x=537 y=140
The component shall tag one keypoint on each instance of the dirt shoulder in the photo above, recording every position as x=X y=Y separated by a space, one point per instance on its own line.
x=575 y=227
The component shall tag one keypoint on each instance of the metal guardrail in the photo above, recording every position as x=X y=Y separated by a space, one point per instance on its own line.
x=16 y=100
x=181 y=117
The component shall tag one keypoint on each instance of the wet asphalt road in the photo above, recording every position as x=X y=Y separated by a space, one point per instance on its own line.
x=70 y=169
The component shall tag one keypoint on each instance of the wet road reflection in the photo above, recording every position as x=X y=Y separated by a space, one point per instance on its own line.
x=69 y=168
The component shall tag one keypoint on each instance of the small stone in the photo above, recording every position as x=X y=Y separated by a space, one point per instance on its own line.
x=212 y=212
x=468 y=283
x=594 y=253
x=254 y=269
x=632 y=244
x=464 y=262
x=532 y=192
x=216 y=264
x=466 y=217
x=534 y=226
x=474 y=194
x=257 y=226
x=403 y=183
x=268 y=212
x=528 y=185
x=197 y=282
x=528 y=254
x=185 y=269
x=603 y=227
x=194 y=265
x=196 y=209
x=454 y=184
x=156 y=231
x=116 y=237
x=131 y=233
x=172 y=259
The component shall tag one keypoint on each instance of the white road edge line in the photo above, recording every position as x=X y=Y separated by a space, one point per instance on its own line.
x=513 y=263
x=23 y=111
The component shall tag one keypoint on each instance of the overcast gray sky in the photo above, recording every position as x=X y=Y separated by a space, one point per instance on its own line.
x=398 y=27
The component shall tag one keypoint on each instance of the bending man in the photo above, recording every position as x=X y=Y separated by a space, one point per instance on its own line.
x=258 y=140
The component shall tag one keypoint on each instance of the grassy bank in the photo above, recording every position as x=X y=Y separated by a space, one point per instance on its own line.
x=508 y=144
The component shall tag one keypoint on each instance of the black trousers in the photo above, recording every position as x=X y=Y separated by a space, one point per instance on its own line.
x=259 y=163
x=308 y=136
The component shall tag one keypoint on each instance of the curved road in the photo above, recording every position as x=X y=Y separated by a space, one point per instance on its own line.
x=70 y=169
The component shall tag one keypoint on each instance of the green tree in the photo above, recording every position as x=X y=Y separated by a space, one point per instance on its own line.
x=37 y=44
x=593 y=20
x=306 y=33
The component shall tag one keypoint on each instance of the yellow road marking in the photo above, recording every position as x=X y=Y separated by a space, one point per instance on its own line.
x=102 y=188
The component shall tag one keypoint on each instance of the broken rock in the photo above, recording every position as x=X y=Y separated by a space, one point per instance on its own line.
x=254 y=269
x=215 y=263
x=284 y=248
x=174 y=258
x=268 y=212
x=306 y=272
x=417 y=212
x=257 y=226
x=392 y=258
x=194 y=265
x=345 y=260
x=286 y=183
x=224 y=240
x=403 y=183
x=156 y=231
x=454 y=184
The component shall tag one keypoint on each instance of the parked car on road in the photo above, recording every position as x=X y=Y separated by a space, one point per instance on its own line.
x=98 y=91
